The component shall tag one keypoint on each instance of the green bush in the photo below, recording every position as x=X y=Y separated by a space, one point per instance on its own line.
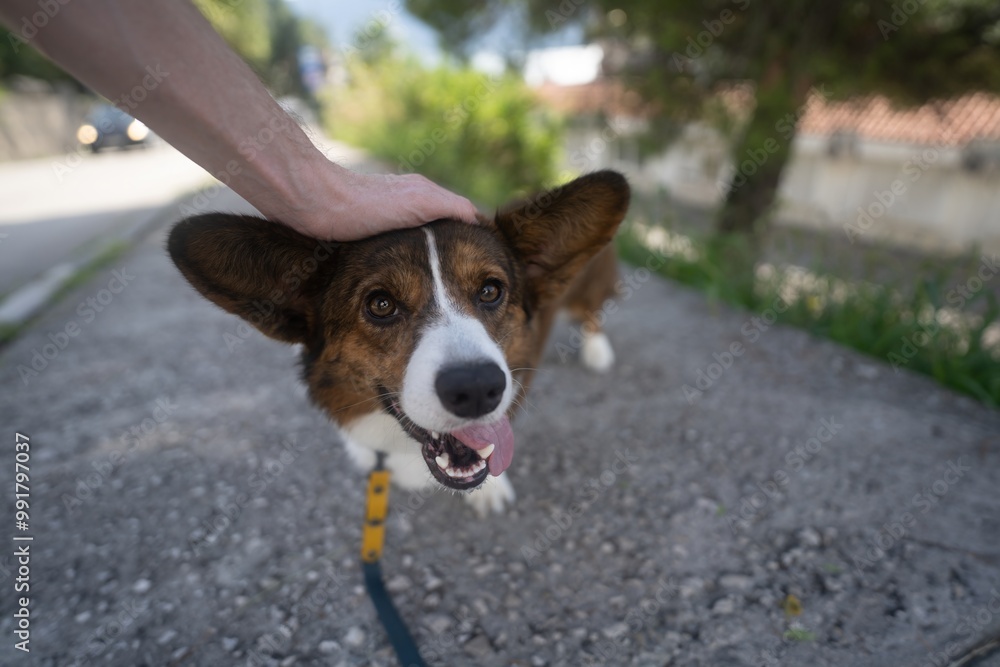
x=483 y=136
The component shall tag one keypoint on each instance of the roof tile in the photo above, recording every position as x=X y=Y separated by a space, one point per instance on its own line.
x=953 y=122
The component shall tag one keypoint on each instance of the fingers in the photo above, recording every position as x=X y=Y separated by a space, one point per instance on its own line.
x=442 y=203
x=362 y=205
x=467 y=212
x=456 y=207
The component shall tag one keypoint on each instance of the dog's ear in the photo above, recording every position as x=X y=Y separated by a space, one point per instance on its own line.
x=555 y=233
x=262 y=271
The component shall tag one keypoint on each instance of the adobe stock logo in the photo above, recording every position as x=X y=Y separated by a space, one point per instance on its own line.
x=772 y=489
x=700 y=43
x=559 y=522
x=87 y=310
x=751 y=332
x=957 y=297
x=897 y=528
x=37 y=21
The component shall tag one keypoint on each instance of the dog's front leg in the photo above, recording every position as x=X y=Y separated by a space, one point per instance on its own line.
x=493 y=497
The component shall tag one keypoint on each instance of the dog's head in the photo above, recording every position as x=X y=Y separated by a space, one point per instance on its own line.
x=438 y=326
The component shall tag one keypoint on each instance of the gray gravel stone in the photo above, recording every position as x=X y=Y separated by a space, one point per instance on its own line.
x=740 y=582
x=355 y=637
x=615 y=631
x=142 y=586
x=658 y=551
x=398 y=584
x=724 y=606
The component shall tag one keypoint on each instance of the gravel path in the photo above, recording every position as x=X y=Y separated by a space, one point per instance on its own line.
x=189 y=507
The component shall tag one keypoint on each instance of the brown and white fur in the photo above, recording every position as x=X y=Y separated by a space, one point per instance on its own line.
x=413 y=336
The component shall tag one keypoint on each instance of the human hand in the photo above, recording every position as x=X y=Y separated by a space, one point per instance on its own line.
x=355 y=206
x=214 y=110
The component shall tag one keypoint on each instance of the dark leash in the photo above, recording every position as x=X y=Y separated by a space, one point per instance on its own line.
x=372 y=541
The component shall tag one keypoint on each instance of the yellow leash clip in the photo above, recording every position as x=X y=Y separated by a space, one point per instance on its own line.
x=376 y=510
x=372 y=540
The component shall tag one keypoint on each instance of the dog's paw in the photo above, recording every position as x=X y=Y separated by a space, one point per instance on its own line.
x=492 y=497
x=596 y=353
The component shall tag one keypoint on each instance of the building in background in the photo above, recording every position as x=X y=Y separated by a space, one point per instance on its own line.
x=927 y=176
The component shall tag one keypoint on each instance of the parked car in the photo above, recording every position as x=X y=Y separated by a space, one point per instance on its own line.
x=107 y=125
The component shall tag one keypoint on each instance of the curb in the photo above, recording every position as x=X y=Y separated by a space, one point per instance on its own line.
x=27 y=301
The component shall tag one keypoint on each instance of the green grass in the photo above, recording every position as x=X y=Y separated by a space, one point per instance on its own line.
x=919 y=328
x=103 y=259
x=9 y=332
x=799 y=635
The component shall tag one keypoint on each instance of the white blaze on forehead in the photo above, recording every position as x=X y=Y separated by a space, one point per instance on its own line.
x=452 y=338
x=441 y=297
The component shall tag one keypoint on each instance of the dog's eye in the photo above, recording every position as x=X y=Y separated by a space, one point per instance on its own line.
x=490 y=292
x=380 y=306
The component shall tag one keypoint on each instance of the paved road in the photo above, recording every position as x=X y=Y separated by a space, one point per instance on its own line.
x=53 y=206
x=190 y=508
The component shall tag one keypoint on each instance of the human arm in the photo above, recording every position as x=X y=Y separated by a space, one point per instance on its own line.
x=203 y=99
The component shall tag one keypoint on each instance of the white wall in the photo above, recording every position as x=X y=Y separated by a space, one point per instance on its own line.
x=938 y=204
x=38 y=124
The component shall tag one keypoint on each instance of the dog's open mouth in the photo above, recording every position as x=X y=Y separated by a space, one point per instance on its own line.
x=463 y=459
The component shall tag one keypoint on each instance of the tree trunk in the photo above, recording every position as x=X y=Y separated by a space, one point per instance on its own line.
x=762 y=152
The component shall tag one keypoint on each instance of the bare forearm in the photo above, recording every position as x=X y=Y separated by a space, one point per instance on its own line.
x=162 y=62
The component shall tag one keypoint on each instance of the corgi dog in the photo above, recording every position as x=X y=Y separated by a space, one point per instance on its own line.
x=420 y=343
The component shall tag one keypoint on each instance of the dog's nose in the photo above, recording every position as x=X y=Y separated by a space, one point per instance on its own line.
x=471 y=391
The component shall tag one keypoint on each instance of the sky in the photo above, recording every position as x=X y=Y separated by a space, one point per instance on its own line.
x=343 y=19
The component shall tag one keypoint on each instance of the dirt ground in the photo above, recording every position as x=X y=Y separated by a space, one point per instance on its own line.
x=807 y=505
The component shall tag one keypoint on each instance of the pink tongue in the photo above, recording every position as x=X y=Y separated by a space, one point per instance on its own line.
x=498 y=434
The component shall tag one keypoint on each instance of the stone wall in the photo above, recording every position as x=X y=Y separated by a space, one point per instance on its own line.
x=40 y=123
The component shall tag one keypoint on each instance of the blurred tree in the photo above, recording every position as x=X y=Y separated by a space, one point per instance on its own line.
x=18 y=58
x=268 y=35
x=245 y=25
x=286 y=39
x=265 y=33
x=480 y=135
x=372 y=44
x=677 y=53
x=460 y=22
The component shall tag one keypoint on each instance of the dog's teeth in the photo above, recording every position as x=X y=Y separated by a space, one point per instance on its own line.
x=442 y=460
x=464 y=471
x=435 y=435
x=485 y=452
